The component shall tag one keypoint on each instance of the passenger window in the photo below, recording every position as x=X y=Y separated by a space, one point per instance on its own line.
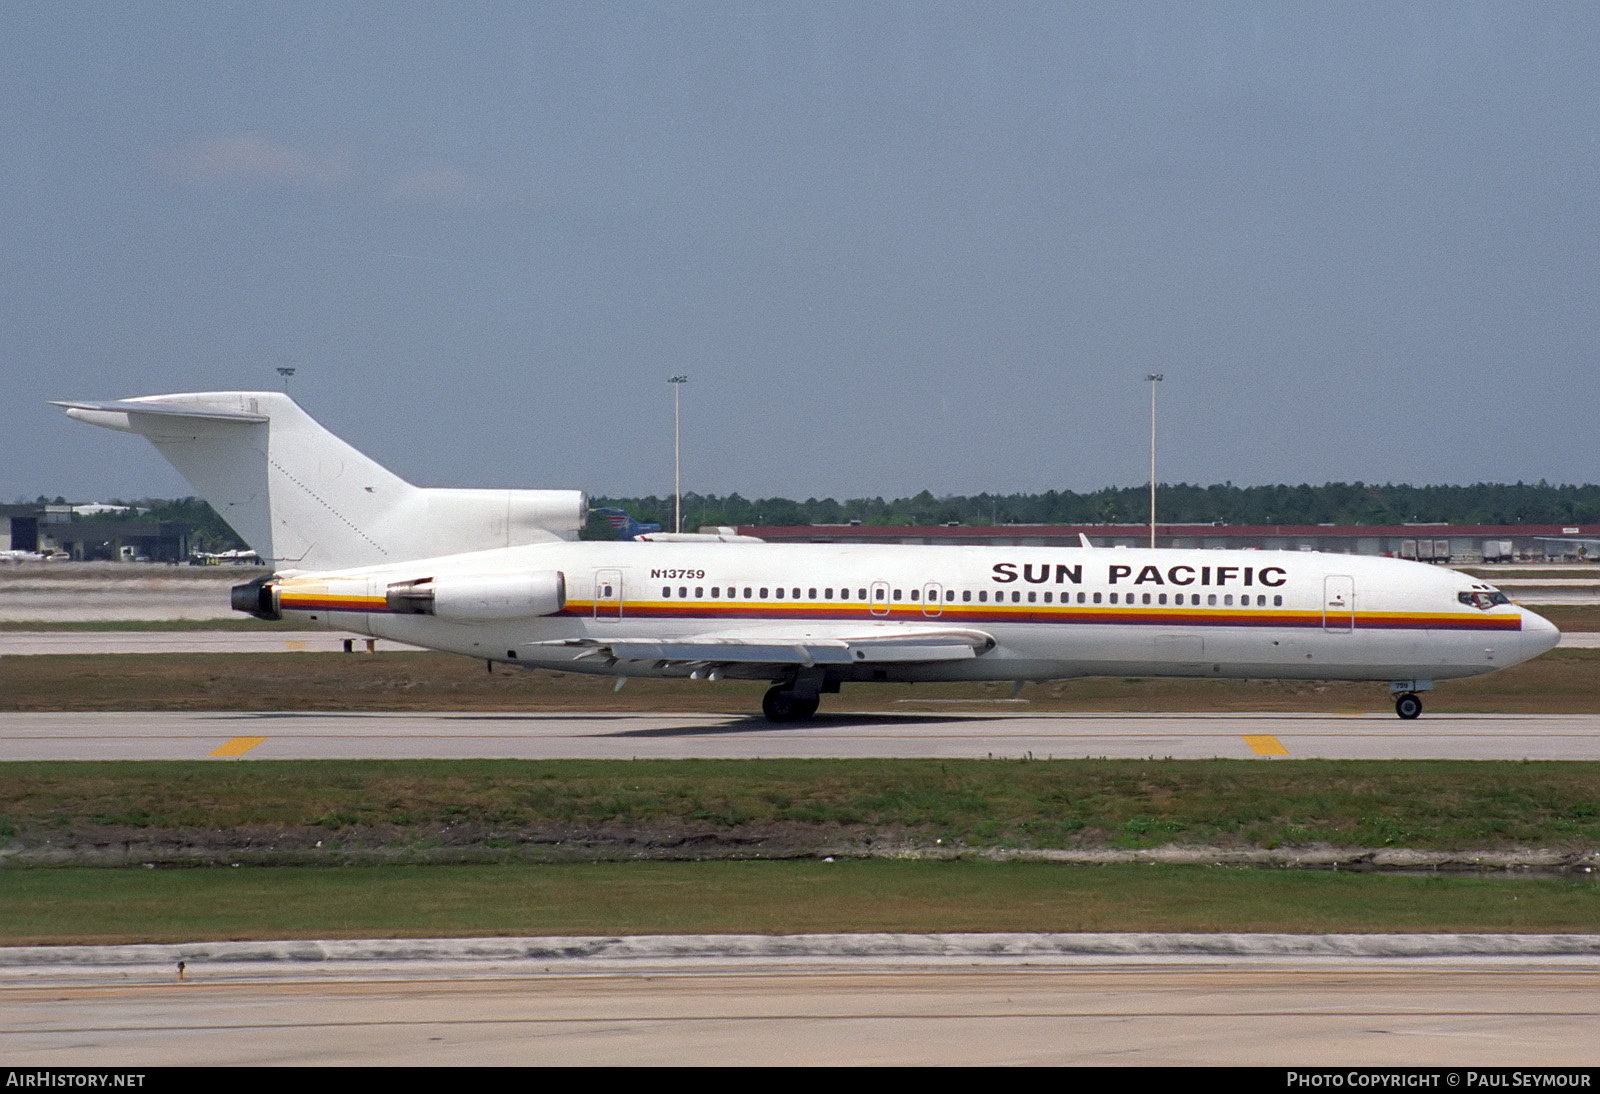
x=1113 y=598
x=1032 y=597
x=747 y=592
x=983 y=596
x=1097 y=598
x=797 y=594
x=913 y=594
x=1161 y=599
x=861 y=594
x=1211 y=601
x=827 y=594
x=1080 y=598
x=966 y=596
x=1228 y=600
x=778 y=593
x=1016 y=598
x=811 y=594
x=699 y=592
x=682 y=591
x=1277 y=602
x=666 y=591
x=949 y=594
x=715 y=592
x=763 y=593
x=897 y=594
x=1146 y=598
x=1047 y=597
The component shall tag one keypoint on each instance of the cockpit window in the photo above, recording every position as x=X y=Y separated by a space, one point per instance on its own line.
x=1483 y=600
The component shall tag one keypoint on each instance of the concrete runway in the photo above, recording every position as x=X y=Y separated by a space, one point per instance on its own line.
x=294 y=735
x=1452 y=1012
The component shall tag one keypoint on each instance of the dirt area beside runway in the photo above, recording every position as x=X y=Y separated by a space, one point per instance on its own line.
x=445 y=844
x=1563 y=681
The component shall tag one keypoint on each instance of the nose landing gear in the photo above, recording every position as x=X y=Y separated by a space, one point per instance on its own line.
x=1407 y=703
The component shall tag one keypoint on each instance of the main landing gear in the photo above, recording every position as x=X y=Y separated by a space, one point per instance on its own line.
x=785 y=704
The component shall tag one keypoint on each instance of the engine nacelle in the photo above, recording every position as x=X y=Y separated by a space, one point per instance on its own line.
x=479 y=598
x=258 y=598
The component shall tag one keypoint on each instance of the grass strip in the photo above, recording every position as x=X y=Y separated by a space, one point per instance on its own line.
x=795 y=807
x=44 y=907
x=1561 y=681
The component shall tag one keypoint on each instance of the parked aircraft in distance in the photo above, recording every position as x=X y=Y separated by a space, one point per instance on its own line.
x=499 y=575
x=623 y=524
x=31 y=556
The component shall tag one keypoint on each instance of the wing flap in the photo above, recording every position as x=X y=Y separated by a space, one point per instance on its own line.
x=806 y=650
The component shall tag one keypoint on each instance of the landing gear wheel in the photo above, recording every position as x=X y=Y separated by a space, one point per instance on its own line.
x=1408 y=706
x=781 y=704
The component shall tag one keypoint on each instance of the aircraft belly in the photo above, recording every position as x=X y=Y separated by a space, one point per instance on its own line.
x=1022 y=652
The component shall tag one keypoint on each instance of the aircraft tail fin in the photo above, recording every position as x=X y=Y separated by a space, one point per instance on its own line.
x=306 y=500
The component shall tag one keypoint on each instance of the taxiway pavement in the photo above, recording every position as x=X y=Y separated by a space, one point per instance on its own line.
x=1444 y=1001
x=282 y=735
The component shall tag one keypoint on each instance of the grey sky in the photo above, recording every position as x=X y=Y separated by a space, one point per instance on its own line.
x=894 y=246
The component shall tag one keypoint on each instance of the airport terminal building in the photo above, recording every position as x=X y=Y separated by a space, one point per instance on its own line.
x=1457 y=543
x=50 y=529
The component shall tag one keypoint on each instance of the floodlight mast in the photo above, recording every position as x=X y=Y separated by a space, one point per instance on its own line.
x=1153 y=379
x=677 y=383
x=285 y=373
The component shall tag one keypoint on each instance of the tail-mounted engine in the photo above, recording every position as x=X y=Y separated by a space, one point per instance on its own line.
x=258 y=598
x=477 y=598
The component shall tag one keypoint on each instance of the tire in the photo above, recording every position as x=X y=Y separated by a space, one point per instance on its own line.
x=780 y=704
x=1408 y=706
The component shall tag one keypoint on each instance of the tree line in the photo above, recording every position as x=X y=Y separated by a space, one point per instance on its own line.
x=1180 y=503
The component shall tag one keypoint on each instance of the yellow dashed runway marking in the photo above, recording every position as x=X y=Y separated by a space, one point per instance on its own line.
x=237 y=747
x=1265 y=744
x=294 y=644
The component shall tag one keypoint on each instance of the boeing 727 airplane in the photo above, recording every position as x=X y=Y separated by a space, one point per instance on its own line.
x=499 y=575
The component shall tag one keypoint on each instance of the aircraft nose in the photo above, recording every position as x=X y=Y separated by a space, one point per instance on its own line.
x=1538 y=633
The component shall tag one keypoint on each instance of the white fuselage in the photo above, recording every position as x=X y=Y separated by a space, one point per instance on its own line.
x=1050 y=612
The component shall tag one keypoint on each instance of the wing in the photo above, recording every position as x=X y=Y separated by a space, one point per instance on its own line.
x=888 y=644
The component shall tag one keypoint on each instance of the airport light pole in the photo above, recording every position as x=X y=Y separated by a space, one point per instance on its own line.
x=286 y=373
x=677 y=383
x=1153 y=379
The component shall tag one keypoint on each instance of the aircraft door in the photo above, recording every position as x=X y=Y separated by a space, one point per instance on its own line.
x=880 y=597
x=1338 y=604
x=932 y=600
x=608 y=595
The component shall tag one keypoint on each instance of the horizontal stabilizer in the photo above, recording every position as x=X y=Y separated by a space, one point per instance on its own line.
x=83 y=411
